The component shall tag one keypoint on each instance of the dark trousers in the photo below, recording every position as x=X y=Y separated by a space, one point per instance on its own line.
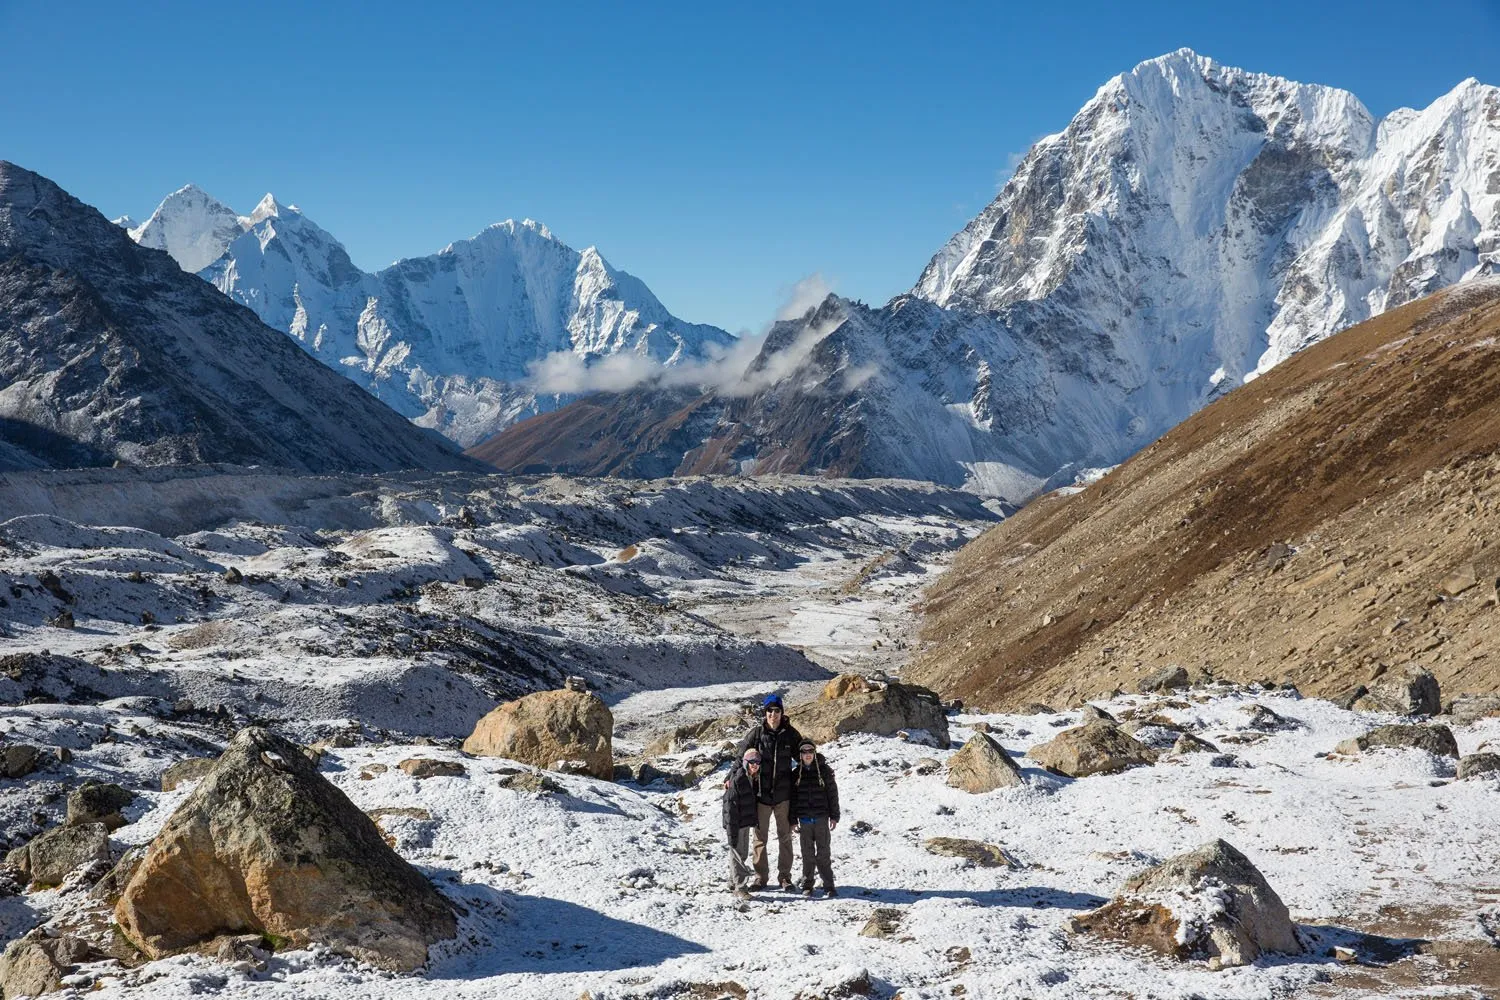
x=815 y=852
x=739 y=864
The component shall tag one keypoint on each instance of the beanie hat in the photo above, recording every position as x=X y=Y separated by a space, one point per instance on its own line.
x=807 y=745
x=772 y=701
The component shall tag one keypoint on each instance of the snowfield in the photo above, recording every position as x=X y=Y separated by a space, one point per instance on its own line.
x=386 y=614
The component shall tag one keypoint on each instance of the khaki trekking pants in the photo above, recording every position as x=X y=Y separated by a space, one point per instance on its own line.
x=814 y=837
x=782 y=811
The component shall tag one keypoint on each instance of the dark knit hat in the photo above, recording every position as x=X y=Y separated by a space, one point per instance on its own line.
x=806 y=745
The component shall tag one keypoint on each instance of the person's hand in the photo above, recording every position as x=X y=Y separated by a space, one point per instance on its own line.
x=833 y=825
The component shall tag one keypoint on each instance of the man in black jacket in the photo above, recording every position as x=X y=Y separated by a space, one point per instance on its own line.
x=741 y=809
x=777 y=742
x=815 y=798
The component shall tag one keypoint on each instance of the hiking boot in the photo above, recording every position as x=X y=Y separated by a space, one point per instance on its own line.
x=757 y=885
x=787 y=886
x=830 y=892
x=807 y=893
x=740 y=893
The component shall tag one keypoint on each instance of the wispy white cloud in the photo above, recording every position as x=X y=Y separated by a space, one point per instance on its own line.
x=727 y=369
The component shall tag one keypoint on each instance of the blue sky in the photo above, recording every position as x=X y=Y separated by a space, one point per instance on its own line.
x=720 y=153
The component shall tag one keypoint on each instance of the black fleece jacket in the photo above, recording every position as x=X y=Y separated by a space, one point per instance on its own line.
x=739 y=800
x=814 y=792
x=778 y=753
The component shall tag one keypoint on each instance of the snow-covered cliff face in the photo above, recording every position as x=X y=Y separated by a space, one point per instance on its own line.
x=1192 y=226
x=446 y=340
x=1208 y=222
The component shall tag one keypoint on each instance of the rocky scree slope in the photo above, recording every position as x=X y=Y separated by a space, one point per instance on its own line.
x=1193 y=225
x=1328 y=523
x=108 y=352
x=447 y=339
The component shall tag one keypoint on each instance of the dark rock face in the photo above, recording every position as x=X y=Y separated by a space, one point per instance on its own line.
x=109 y=351
x=266 y=845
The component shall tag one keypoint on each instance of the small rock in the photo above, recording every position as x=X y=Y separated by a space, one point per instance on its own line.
x=1461 y=579
x=981 y=727
x=530 y=781
x=1478 y=763
x=1276 y=556
x=884 y=922
x=1267 y=721
x=233 y=576
x=64 y=619
x=982 y=766
x=17 y=760
x=575 y=682
x=1435 y=739
x=423 y=767
x=98 y=803
x=246 y=950
x=926 y=766
x=1167 y=679
x=571 y=766
x=1093 y=713
x=1188 y=743
x=1349 y=698
x=1036 y=708
x=982 y=854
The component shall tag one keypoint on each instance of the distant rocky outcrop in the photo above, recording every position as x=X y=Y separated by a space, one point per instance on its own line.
x=1094 y=748
x=266 y=845
x=1413 y=691
x=1210 y=904
x=548 y=729
x=853 y=704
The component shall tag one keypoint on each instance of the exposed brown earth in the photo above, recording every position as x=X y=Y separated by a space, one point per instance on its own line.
x=1323 y=525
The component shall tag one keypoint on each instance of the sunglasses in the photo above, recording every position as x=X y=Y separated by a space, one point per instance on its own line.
x=752 y=761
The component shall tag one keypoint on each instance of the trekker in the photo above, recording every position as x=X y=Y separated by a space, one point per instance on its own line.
x=741 y=812
x=777 y=742
x=815 y=800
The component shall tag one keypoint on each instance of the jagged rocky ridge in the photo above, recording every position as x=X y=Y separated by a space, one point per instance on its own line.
x=447 y=339
x=108 y=352
x=1192 y=226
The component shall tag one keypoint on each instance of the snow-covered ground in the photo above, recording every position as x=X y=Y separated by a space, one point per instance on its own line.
x=618 y=891
x=394 y=611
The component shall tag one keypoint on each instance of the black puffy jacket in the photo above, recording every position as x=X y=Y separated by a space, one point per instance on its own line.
x=814 y=792
x=778 y=755
x=740 y=797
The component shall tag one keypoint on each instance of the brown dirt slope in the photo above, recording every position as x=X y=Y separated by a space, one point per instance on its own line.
x=1372 y=455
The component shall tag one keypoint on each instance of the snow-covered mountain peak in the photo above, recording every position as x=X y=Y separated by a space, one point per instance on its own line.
x=124 y=222
x=267 y=208
x=192 y=226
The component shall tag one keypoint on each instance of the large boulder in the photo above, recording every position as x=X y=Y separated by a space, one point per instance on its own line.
x=97 y=802
x=1094 y=748
x=982 y=766
x=548 y=728
x=1166 y=679
x=1414 y=691
x=1476 y=764
x=54 y=855
x=266 y=845
x=1210 y=904
x=17 y=760
x=1435 y=739
x=37 y=962
x=860 y=706
x=191 y=769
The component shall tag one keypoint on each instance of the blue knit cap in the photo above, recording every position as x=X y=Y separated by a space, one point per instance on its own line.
x=772 y=701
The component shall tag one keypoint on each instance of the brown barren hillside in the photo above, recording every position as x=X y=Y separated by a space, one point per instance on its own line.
x=1371 y=455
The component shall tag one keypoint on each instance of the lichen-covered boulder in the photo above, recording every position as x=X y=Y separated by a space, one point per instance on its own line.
x=17 y=760
x=97 y=802
x=266 y=845
x=547 y=728
x=1475 y=764
x=191 y=769
x=1094 y=748
x=1210 y=904
x=1435 y=739
x=863 y=707
x=982 y=766
x=36 y=963
x=52 y=856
